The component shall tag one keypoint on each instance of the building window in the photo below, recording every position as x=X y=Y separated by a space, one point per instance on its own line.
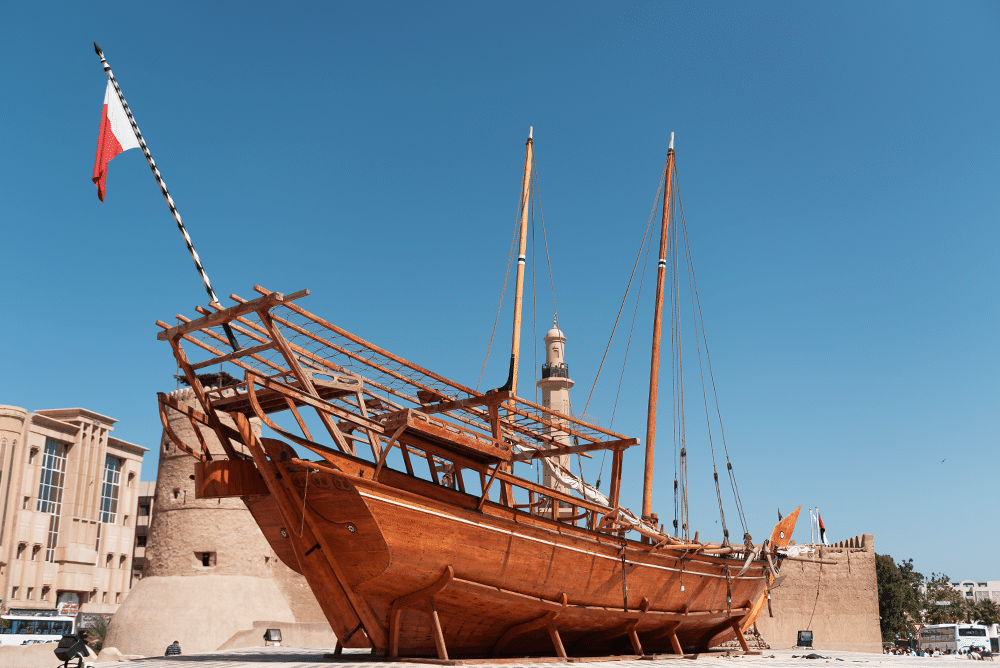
x=30 y=594
x=207 y=558
x=125 y=521
x=143 y=510
x=50 y=490
x=45 y=593
x=34 y=551
x=118 y=597
x=107 y=563
x=104 y=597
x=121 y=562
x=131 y=477
x=109 y=492
x=20 y=550
x=27 y=502
x=13 y=592
x=140 y=541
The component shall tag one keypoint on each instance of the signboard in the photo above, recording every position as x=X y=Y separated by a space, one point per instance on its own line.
x=33 y=612
x=69 y=608
x=942 y=602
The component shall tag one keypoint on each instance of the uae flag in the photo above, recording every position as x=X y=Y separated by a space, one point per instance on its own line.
x=822 y=529
x=116 y=136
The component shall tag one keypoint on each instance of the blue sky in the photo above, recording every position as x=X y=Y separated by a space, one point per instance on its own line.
x=837 y=162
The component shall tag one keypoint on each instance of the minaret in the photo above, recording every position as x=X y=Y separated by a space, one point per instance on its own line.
x=555 y=384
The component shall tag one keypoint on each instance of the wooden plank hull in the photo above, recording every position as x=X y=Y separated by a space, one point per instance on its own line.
x=516 y=576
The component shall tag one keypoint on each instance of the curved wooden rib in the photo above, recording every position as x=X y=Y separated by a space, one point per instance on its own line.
x=262 y=416
x=546 y=620
x=426 y=594
x=162 y=403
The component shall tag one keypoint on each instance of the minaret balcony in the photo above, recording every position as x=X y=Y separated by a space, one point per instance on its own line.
x=560 y=370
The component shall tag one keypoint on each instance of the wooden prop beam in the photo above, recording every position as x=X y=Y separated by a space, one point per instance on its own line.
x=409 y=601
x=546 y=620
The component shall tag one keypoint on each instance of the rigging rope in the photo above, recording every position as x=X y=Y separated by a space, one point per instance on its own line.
x=545 y=239
x=642 y=276
x=627 y=288
x=503 y=291
x=711 y=374
x=681 y=506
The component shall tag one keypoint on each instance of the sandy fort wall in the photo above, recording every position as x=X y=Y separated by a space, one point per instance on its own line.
x=831 y=591
x=209 y=573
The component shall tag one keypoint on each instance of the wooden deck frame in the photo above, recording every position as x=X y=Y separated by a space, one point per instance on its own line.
x=477 y=414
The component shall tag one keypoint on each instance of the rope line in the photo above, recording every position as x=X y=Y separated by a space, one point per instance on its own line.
x=708 y=358
x=627 y=288
x=642 y=277
x=503 y=291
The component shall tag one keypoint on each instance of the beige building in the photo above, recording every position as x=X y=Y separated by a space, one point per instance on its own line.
x=143 y=519
x=68 y=496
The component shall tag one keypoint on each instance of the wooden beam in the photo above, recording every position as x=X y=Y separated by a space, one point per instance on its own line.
x=319 y=566
x=571 y=449
x=494 y=399
x=735 y=623
x=225 y=315
x=233 y=355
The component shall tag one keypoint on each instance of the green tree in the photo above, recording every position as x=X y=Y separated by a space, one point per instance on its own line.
x=899 y=600
x=942 y=603
x=986 y=612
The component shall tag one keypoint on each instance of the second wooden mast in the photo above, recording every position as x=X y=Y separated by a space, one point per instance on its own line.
x=515 y=344
x=654 y=367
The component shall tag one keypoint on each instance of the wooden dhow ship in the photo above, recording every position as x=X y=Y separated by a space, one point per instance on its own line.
x=450 y=552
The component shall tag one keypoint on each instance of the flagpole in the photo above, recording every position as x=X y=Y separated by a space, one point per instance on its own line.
x=166 y=196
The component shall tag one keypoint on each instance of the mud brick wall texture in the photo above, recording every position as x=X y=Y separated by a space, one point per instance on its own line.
x=182 y=598
x=831 y=592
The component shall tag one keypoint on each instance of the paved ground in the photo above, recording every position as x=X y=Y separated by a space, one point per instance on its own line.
x=290 y=657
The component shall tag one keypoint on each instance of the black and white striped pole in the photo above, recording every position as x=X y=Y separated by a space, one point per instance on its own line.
x=166 y=195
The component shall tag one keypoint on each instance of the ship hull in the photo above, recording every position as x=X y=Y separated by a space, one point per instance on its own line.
x=493 y=581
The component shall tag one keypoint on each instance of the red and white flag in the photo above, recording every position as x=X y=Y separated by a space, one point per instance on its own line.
x=116 y=136
x=822 y=529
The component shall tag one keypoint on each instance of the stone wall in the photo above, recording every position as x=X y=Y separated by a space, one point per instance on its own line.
x=203 y=601
x=831 y=591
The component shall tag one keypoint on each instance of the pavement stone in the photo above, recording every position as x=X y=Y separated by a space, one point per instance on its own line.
x=311 y=657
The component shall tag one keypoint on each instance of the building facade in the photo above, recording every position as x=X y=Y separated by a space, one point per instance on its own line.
x=143 y=519
x=68 y=498
x=975 y=590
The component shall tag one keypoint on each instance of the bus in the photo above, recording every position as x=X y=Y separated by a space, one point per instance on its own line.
x=956 y=637
x=29 y=629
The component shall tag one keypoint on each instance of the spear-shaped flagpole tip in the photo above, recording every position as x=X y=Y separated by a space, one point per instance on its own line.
x=97 y=50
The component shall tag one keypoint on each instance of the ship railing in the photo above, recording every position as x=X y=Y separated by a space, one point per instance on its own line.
x=358 y=390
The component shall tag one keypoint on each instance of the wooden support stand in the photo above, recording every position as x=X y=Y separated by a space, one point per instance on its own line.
x=425 y=597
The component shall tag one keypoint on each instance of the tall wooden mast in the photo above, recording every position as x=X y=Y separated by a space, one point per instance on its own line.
x=515 y=343
x=654 y=367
